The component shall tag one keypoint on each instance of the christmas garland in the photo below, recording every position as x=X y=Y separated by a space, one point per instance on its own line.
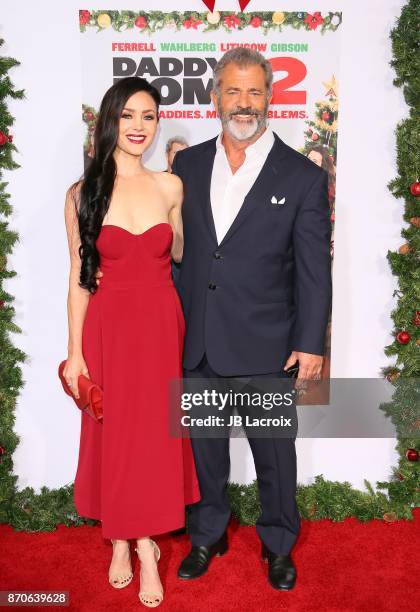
x=27 y=510
x=150 y=22
x=10 y=357
x=404 y=409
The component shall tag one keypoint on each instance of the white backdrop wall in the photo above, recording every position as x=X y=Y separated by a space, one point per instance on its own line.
x=44 y=36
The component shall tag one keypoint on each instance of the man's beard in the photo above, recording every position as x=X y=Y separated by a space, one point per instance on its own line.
x=246 y=129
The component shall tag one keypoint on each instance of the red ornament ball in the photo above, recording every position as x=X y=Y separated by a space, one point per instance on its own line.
x=89 y=116
x=315 y=136
x=84 y=17
x=140 y=22
x=2 y=451
x=3 y=139
x=1 y=303
x=403 y=337
x=412 y=454
x=325 y=116
x=416 y=318
x=415 y=188
x=255 y=22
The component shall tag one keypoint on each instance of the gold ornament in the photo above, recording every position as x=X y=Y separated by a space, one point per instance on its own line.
x=415 y=221
x=390 y=517
x=332 y=87
x=278 y=18
x=104 y=20
x=323 y=125
x=404 y=249
x=213 y=18
x=418 y=341
x=331 y=105
x=392 y=376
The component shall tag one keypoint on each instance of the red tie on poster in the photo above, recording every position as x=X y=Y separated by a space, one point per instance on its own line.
x=210 y=4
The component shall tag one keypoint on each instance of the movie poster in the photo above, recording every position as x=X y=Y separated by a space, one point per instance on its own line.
x=176 y=52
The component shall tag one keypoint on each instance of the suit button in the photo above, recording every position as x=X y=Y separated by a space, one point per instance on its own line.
x=217 y=255
x=211 y=286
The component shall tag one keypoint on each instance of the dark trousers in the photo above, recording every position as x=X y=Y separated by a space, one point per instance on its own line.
x=275 y=464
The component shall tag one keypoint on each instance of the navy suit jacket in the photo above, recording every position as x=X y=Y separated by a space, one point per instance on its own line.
x=265 y=290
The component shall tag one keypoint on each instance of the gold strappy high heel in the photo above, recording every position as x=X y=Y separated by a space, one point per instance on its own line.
x=119 y=582
x=151 y=600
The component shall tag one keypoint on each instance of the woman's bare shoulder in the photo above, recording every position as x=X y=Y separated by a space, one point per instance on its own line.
x=172 y=182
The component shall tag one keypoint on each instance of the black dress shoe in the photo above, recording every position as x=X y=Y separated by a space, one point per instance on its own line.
x=281 y=569
x=197 y=562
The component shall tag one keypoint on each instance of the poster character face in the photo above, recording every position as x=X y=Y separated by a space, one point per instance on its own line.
x=138 y=124
x=176 y=146
x=316 y=157
x=242 y=100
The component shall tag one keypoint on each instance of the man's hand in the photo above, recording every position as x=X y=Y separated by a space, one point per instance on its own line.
x=310 y=365
x=98 y=275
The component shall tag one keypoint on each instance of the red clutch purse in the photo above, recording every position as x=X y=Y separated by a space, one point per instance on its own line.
x=90 y=394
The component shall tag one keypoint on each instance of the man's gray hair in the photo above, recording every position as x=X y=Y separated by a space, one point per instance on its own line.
x=176 y=139
x=242 y=56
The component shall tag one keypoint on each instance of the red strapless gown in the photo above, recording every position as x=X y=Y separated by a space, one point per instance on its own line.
x=132 y=474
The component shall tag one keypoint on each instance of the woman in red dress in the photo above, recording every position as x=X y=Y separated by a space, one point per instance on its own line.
x=126 y=333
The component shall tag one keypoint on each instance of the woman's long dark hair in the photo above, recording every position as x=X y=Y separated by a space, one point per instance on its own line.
x=98 y=181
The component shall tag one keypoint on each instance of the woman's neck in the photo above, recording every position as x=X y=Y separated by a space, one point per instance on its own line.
x=128 y=165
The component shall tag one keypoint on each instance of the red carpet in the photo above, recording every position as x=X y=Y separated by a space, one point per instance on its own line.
x=341 y=566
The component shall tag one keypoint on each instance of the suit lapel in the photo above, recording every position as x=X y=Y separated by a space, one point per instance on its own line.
x=261 y=188
x=206 y=167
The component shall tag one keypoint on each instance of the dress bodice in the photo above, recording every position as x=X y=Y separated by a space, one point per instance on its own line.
x=127 y=258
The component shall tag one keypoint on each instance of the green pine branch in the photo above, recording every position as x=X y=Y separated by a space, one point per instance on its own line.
x=11 y=381
x=404 y=410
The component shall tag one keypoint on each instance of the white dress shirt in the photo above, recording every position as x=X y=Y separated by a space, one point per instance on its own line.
x=227 y=190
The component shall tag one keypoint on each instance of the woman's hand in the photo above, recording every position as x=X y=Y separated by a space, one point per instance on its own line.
x=75 y=366
x=98 y=275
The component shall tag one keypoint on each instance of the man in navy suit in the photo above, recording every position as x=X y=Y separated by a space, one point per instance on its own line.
x=255 y=285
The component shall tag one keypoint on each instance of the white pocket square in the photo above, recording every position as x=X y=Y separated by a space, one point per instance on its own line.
x=274 y=200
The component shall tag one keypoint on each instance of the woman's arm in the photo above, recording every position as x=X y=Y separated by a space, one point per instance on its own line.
x=78 y=298
x=175 y=218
